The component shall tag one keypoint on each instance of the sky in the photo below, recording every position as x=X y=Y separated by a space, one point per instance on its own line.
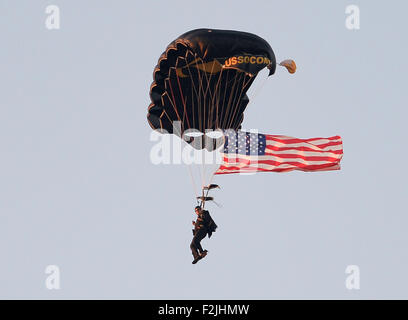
x=79 y=191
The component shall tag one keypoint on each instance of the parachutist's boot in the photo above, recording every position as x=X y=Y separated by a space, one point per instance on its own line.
x=196 y=260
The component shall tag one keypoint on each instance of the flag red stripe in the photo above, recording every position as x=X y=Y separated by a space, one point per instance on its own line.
x=272 y=162
x=296 y=140
x=288 y=156
x=255 y=169
x=275 y=148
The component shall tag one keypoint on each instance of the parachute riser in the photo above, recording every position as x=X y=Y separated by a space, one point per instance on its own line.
x=204 y=194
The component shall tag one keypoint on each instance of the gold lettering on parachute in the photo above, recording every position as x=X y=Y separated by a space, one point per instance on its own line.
x=246 y=59
x=211 y=67
x=215 y=66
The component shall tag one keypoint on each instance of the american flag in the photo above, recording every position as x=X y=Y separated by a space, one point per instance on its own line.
x=246 y=152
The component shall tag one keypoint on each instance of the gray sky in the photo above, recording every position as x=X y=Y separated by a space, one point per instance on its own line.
x=78 y=189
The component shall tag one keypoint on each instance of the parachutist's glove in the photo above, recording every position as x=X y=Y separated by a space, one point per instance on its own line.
x=193 y=223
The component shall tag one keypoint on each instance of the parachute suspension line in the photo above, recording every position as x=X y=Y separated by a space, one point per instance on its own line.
x=201 y=104
x=204 y=94
x=223 y=101
x=211 y=178
x=195 y=91
x=203 y=166
x=216 y=104
x=204 y=86
x=258 y=89
x=164 y=111
x=230 y=99
x=195 y=190
x=173 y=103
x=222 y=116
x=201 y=108
x=239 y=99
x=179 y=134
x=228 y=103
x=193 y=107
x=236 y=101
x=199 y=93
x=210 y=97
x=239 y=89
x=205 y=90
x=199 y=100
x=243 y=91
x=183 y=102
x=208 y=110
x=213 y=103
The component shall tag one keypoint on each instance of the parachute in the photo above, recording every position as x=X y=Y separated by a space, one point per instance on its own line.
x=200 y=84
x=202 y=78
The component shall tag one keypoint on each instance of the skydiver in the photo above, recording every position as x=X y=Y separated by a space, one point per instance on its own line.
x=202 y=226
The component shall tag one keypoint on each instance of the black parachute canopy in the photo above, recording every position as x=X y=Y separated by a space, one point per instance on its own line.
x=210 y=44
x=202 y=78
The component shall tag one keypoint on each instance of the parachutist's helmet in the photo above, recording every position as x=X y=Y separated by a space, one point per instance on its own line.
x=197 y=208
